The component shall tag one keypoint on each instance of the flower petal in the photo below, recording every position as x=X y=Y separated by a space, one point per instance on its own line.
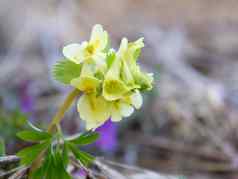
x=92 y=125
x=126 y=109
x=114 y=89
x=86 y=84
x=126 y=75
x=136 y=99
x=100 y=60
x=123 y=48
x=94 y=110
x=75 y=52
x=115 y=115
x=99 y=38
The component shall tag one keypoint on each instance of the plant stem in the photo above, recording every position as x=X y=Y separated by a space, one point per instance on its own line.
x=65 y=106
x=55 y=123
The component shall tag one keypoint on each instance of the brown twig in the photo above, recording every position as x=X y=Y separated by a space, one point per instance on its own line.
x=10 y=159
x=20 y=173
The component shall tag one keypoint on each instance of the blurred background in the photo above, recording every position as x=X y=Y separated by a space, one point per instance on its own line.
x=189 y=122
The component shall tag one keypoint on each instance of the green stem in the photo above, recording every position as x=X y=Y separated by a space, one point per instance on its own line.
x=65 y=106
x=55 y=123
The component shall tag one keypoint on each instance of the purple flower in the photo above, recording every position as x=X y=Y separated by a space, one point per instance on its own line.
x=80 y=173
x=108 y=136
x=26 y=100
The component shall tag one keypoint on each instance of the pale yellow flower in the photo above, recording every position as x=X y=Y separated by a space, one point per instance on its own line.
x=111 y=81
x=86 y=82
x=120 y=109
x=129 y=53
x=135 y=99
x=125 y=107
x=93 y=50
x=93 y=110
x=113 y=87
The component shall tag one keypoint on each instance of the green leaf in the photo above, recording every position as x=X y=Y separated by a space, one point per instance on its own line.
x=42 y=172
x=34 y=136
x=29 y=154
x=65 y=155
x=85 y=138
x=53 y=166
x=85 y=158
x=65 y=70
x=59 y=166
x=2 y=147
x=39 y=173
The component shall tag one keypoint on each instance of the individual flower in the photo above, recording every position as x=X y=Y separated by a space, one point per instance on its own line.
x=134 y=99
x=129 y=54
x=125 y=106
x=94 y=50
x=113 y=86
x=93 y=109
x=86 y=82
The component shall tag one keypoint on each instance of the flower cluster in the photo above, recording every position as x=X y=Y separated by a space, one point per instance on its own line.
x=110 y=81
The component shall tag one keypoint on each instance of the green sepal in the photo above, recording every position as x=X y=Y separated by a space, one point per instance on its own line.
x=65 y=70
x=137 y=54
x=144 y=80
x=111 y=55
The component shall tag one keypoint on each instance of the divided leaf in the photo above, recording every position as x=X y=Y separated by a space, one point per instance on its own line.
x=85 y=138
x=65 y=70
x=59 y=166
x=33 y=136
x=65 y=154
x=52 y=167
x=29 y=154
x=85 y=158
